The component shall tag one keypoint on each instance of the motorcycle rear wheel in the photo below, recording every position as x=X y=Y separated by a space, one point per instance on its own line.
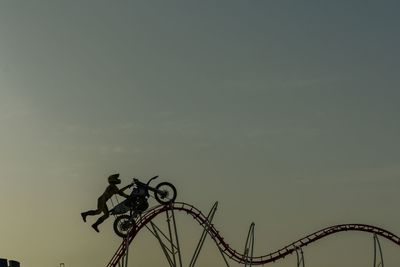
x=123 y=225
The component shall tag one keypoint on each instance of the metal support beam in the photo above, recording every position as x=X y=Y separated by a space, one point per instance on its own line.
x=378 y=259
x=249 y=247
x=124 y=259
x=169 y=242
x=300 y=257
x=206 y=231
x=178 y=249
x=170 y=238
x=223 y=256
x=164 y=248
x=206 y=227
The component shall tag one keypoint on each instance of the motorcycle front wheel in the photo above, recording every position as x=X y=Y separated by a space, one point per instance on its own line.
x=165 y=193
x=123 y=225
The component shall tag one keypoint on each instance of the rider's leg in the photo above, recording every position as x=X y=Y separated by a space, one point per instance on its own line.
x=93 y=212
x=106 y=214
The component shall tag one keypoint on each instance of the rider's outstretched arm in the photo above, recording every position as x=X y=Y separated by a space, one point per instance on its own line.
x=121 y=191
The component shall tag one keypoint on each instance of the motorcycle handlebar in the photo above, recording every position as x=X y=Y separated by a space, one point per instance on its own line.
x=135 y=180
x=155 y=177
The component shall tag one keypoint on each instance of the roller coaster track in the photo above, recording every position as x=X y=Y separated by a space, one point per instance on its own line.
x=235 y=255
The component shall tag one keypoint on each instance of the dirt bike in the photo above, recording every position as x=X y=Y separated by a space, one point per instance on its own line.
x=137 y=203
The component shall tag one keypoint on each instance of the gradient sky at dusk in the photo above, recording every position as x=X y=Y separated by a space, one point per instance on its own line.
x=286 y=112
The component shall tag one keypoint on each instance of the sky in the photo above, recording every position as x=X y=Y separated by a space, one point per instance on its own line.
x=285 y=112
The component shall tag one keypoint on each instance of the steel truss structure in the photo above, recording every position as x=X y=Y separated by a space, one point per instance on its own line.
x=169 y=240
x=300 y=257
x=378 y=256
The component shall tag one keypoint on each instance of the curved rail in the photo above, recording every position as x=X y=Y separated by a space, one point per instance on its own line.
x=235 y=255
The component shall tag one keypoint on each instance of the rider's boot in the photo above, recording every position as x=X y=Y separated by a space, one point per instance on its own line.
x=83 y=214
x=99 y=221
x=95 y=227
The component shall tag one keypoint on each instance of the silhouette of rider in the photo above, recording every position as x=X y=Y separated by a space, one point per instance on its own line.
x=111 y=190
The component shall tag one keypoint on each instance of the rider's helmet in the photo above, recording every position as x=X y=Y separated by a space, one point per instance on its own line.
x=113 y=179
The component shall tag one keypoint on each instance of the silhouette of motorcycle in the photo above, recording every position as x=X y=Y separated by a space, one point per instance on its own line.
x=137 y=203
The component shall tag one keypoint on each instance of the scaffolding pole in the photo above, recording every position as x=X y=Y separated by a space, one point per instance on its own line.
x=378 y=259
x=249 y=247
